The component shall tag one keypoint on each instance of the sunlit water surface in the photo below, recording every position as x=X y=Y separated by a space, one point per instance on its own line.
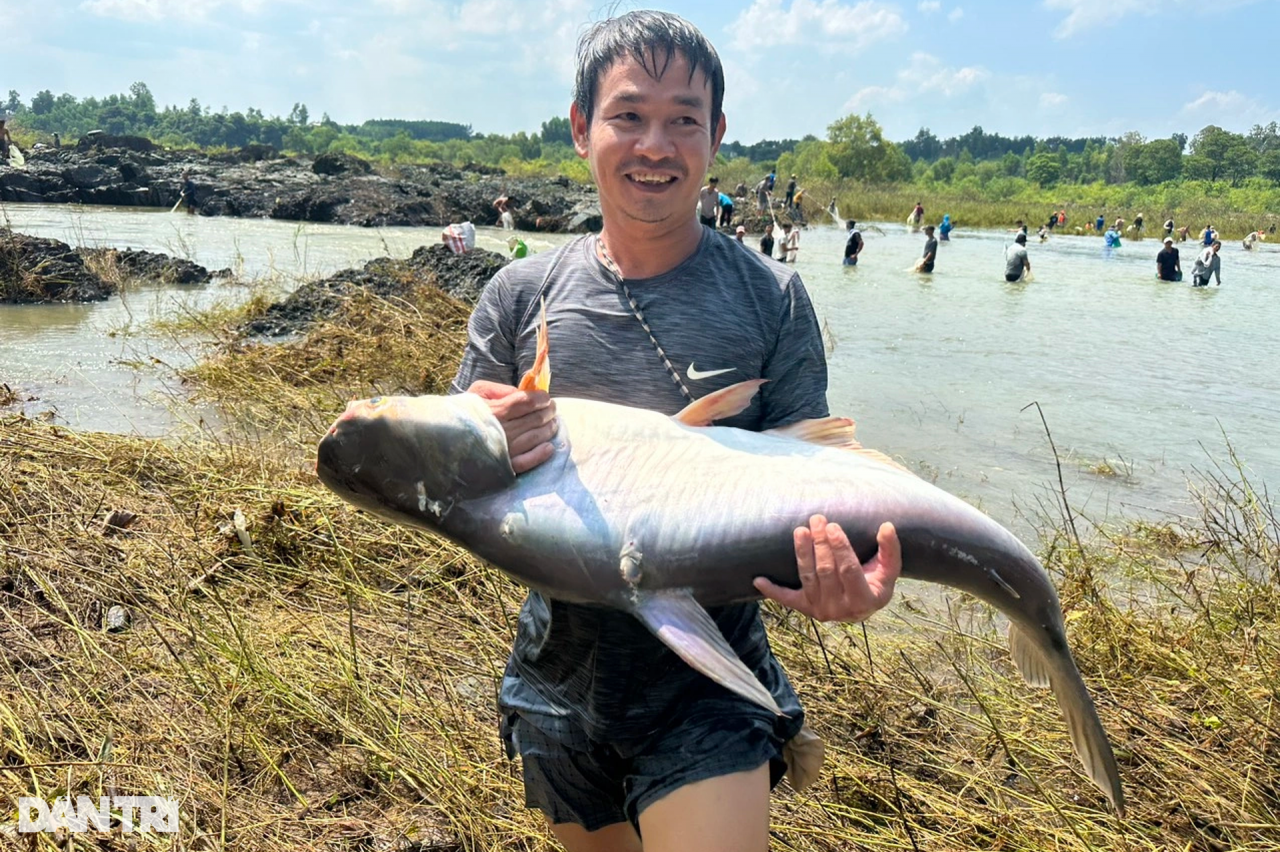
x=1151 y=378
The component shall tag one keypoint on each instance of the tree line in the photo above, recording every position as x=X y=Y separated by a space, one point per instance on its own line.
x=854 y=148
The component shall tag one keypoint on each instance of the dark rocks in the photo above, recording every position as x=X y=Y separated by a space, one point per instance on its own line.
x=257 y=182
x=340 y=164
x=95 y=139
x=463 y=276
x=33 y=269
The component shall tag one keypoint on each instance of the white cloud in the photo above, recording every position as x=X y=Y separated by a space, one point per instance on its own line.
x=159 y=10
x=928 y=7
x=1049 y=100
x=1084 y=15
x=1242 y=109
x=925 y=74
x=955 y=14
x=826 y=25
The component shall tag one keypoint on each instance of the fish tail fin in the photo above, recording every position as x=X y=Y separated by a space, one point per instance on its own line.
x=1087 y=734
x=539 y=375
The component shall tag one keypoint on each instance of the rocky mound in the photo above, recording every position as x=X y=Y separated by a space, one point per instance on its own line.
x=153 y=266
x=462 y=276
x=33 y=269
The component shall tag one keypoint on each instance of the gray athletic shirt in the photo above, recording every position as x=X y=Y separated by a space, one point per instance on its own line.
x=724 y=315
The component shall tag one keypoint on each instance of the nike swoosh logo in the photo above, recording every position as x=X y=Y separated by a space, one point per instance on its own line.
x=699 y=375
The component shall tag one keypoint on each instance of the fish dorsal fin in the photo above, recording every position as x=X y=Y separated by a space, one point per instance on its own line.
x=720 y=404
x=1029 y=661
x=539 y=375
x=883 y=459
x=824 y=431
x=685 y=627
x=834 y=432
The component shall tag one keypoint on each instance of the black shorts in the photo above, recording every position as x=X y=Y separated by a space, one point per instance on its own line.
x=595 y=784
x=709 y=221
x=1011 y=277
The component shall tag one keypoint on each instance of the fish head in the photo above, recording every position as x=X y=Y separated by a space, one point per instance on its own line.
x=411 y=459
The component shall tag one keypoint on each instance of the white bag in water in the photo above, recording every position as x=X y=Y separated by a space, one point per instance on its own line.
x=460 y=238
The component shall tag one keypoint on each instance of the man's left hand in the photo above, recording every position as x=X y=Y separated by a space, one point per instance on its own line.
x=834 y=585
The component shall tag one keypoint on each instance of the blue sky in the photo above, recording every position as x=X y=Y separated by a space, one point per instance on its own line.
x=1045 y=67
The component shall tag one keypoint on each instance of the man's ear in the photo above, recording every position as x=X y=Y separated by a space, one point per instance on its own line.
x=578 y=124
x=718 y=136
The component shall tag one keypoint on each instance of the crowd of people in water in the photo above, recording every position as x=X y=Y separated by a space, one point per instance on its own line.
x=781 y=240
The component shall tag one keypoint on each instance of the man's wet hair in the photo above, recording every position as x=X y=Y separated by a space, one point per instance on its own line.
x=653 y=39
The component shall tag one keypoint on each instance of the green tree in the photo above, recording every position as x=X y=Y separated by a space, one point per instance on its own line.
x=944 y=170
x=859 y=150
x=1269 y=166
x=1044 y=168
x=557 y=129
x=42 y=103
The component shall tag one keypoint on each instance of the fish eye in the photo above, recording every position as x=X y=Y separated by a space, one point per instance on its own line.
x=376 y=400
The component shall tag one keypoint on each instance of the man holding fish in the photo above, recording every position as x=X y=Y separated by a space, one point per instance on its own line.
x=616 y=733
x=646 y=507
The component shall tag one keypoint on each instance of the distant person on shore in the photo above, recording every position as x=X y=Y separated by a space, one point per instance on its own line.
x=503 y=205
x=5 y=141
x=1253 y=237
x=797 y=211
x=831 y=208
x=189 y=191
x=1119 y=225
x=1100 y=223
x=791 y=241
x=740 y=234
x=853 y=245
x=1168 y=264
x=1053 y=221
x=1208 y=264
x=772 y=178
x=1021 y=228
x=1111 y=239
x=741 y=190
x=1043 y=233
x=1062 y=218
x=57 y=142
x=1137 y=224
x=944 y=230
x=709 y=203
x=1183 y=233
x=930 y=251
x=790 y=197
x=762 y=195
x=726 y=211
x=1209 y=236
x=1168 y=227
x=766 y=241
x=1016 y=262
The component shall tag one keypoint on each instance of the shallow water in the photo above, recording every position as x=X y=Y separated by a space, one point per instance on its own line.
x=1145 y=375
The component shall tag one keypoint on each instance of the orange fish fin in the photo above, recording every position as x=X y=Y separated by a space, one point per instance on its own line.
x=539 y=375
x=720 y=404
x=825 y=431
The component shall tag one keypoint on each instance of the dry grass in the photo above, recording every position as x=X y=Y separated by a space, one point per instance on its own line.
x=332 y=686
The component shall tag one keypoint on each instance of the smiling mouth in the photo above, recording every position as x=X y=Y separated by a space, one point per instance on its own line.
x=648 y=179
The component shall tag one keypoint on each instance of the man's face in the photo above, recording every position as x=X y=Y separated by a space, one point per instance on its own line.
x=649 y=142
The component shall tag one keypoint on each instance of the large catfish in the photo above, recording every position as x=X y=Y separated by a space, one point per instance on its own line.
x=662 y=516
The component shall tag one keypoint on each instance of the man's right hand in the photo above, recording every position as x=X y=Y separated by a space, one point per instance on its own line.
x=528 y=417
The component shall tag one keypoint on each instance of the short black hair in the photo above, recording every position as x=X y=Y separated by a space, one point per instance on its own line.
x=653 y=39
x=851 y=224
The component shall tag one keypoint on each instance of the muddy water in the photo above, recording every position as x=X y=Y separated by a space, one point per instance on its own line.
x=1137 y=378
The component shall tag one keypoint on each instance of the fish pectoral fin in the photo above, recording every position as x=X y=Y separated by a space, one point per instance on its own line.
x=720 y=404
x=539 y=375
x=824 y=431
x=685 y=627
x=1030 y=662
